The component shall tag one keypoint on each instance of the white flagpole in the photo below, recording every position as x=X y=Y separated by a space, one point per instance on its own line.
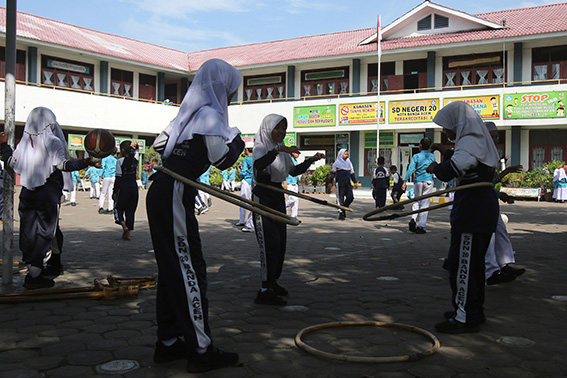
x=379 y=51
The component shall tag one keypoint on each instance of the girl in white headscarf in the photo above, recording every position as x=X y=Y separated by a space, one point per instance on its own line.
x=474 y=214
x=198 y=137
x=42 y=161
x=560 y=184
x=272 y=165
x=342 y=173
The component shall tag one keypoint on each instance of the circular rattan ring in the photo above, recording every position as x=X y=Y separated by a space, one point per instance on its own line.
x=407 y=357
x=370 y=216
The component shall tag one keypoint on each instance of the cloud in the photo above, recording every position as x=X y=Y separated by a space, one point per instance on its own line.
x=161 y=32
x=185 y=8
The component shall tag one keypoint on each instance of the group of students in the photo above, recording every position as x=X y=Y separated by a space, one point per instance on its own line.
x=200 y=136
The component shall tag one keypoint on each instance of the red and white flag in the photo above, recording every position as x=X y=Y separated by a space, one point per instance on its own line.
x=379 y=36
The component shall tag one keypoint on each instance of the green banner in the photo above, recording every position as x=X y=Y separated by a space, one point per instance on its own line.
x=534 y=105
x=386 y=139
x=315 y=116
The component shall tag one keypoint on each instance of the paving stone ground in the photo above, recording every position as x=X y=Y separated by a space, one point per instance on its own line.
x=335 y=271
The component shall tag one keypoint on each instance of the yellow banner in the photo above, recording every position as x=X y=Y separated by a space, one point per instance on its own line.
x=487 y=107
x=357 y=114
x=413 y=110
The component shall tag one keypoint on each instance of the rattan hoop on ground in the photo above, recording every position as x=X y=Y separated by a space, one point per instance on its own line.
x=406 y=357
x=369 y=216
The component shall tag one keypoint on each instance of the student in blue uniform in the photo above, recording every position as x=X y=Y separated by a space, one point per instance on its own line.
x=76 y=178
x=125 y=191
x=474 y=214
x=380 y=183
x=232 y=178
x=93 y=173
x=291 y=184
x=246 y=180
x=272 y=164
x=423 y=184
x=342 y=173
x=198 y=137
x=108 y=178
x=42 y=161
x=203 y=199
x=225 y=185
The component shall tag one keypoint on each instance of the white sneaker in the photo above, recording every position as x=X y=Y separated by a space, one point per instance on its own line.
x=204 y=210
x=246 y=229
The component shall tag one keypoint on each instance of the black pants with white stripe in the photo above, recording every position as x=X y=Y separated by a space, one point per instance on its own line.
x=39 y=222
x=181 y=301
x=271 y=236
x=344 y=194
x=466 y=275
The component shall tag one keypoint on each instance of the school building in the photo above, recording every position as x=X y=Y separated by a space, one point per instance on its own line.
x=510 y=65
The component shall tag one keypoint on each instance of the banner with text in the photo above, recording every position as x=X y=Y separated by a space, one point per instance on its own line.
x=534 y=105
x=413 y=110
x=359 y=114
x=487 y=107
x=315 y=116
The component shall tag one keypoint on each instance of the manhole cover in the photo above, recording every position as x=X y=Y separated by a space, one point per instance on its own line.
x=294 y=308
x=387 y=278
x=515 y=341
x=118 y=367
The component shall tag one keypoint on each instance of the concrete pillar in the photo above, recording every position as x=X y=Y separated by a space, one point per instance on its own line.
x=104 y=75
x=183 y=87
x=32 y=65
x=290 y=81
x=431 y=69
x=515 y=153
x=355 y=88
x=518 y=55
x=161 y=86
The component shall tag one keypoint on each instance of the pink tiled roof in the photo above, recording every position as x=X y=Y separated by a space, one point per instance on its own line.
x=519 y=22
x=60 y=33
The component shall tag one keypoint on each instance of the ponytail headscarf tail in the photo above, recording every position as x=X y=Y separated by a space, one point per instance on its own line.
x=341 y=162
x=559 y=174
x=204 y=109
x=473 y=137
x=263 y=143
x=42 y=147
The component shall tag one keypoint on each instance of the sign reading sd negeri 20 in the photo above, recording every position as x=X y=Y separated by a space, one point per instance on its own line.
x=534 y=105
x=413 y=110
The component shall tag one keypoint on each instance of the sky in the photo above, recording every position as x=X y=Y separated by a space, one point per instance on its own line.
x=194 y=25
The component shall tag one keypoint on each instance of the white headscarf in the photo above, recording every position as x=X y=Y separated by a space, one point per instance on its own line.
x=263 y=143
x=473 y=138
x=204 y=109
x=341 y=162
x=559 y=174
x=42 y=147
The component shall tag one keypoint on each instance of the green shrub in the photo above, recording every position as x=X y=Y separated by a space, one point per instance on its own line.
x=321 y=175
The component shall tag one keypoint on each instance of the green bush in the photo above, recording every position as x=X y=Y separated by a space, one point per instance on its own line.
x=321 y=175
x=541 y=177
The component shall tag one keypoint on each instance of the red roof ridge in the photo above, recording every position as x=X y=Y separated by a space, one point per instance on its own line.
x=520 y=9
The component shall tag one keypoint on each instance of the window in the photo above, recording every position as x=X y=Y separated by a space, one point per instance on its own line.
x=441 y=22
x=66 y=73
x=121 y=82
x=387 y=70
x=424 y=23
x=147 y=87
x=549 y=63
x=325 y=82
x=20 y=64
x=264 y=87
x=474 y=69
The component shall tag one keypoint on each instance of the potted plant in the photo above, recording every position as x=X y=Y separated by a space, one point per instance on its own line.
x=320 y=178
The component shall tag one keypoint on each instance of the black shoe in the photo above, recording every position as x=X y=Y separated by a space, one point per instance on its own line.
x=163 y=353
x=499 y=277
x=52 y=270
x=108 y=211
x=101 y=210
x=507 y=269
x=450 y=314
x=213 y=358
x=342 y=216
x=412 y=226
x=280 y=290
x=209 y=202
x=454 y=327
x=420 y=230
x=40 y=282
x=269 y=297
